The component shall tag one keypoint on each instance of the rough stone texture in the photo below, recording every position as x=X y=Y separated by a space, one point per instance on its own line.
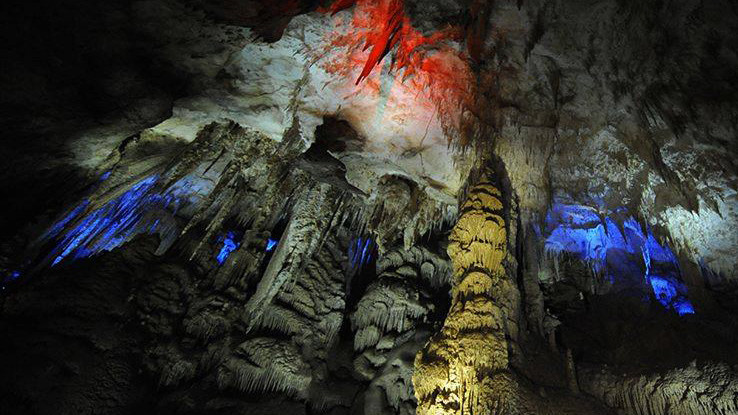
x=607 y=103
x=393 y=320
x=707 y=389
x=618 y=104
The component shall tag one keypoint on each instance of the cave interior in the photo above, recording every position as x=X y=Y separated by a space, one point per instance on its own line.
x=369 y=207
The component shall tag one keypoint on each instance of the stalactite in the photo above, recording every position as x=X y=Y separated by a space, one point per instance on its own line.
x=247 y=378
x=434 y=67
x=264 y=364
x=433 y=268
x=211 y=358
x=205 y=180
x=387 y=26
x=401 y=211
x=366 y=337
x=279 y=319
x=246 y=153
x=243 y=263
x=206 y=326
x=111 y=217
x=314 y=214
x=332 y=326
x=590 y=234
x=388 y=308
x=393 y=304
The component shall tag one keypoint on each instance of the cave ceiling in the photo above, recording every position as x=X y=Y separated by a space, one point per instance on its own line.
x=603 y=104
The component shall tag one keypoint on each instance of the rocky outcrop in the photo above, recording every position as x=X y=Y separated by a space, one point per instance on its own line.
x=694 y=390
x=392 y=321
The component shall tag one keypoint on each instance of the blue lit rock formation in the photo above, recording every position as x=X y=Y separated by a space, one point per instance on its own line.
x=596 y=237
x=271 y=243
x=138 y=210
x=230 y=244
x=360 y=252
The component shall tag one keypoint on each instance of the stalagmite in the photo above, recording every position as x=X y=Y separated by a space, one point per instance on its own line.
x=464 y=367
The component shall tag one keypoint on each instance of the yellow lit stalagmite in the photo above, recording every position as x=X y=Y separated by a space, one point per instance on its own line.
x=463 y=369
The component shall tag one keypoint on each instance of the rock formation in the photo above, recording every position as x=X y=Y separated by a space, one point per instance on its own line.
x=369 y=207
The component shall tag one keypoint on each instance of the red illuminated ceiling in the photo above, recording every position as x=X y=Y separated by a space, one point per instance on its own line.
x=384 y=25
x=434 y=66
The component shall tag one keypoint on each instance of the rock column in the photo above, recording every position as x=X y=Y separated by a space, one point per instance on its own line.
x=464 y=368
